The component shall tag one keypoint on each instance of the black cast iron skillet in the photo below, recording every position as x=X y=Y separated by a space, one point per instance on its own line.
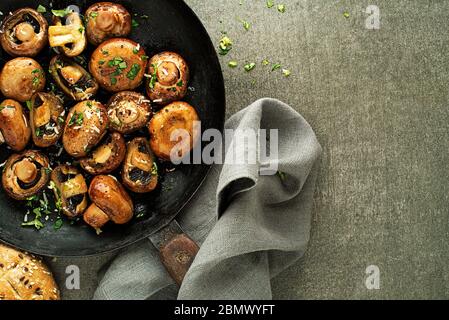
x=171 y=25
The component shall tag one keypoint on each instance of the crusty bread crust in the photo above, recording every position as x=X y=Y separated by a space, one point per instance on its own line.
x=25 y=277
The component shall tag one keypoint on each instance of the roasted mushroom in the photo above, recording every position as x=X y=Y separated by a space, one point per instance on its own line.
x=140 y=172
x=107 y=20
x=47 y=118
x=118 y=64
x=128 y=111
x=107 y=157
x=110 y=202
x=85 y=126
x=14 y=128
x=71 y=37
x=24 y=33
x=21 y=78
x=168 y=78
x=73 y=79
x=179 y=122
x=25 y=174
x=70 y=190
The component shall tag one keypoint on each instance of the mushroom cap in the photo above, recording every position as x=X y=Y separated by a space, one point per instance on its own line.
x=107 y=20
x=174 y=119
x=46 y=118
x=21 y=78
x=24 y=33
x=25 y=174
x=85 y=126
x=107 y=157
x=14 y=125
x=139 y=172
x=72 y=78
x=118 y=65
x=71 y=189
x=111 y=197
x=128 y=111
x=169 y=78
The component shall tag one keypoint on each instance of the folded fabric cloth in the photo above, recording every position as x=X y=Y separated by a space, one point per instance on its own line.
x=250 y=226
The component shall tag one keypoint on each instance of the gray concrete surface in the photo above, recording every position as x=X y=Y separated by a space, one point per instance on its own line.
x=378 y=101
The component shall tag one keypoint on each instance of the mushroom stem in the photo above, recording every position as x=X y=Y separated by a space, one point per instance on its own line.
x=26 y=170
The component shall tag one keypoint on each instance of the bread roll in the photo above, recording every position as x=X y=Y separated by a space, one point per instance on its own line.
x=25 y=277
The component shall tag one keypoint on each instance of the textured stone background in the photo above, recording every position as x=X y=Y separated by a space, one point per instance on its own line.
x=378 y=101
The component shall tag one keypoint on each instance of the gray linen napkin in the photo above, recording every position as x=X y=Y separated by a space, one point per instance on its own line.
x=250 y=226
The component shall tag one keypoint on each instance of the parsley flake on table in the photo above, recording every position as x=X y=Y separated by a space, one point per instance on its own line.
x=346 y=14
x=225 y=45
x=281 y=8
x=276 y=66
x=233 y=64
x=270 y=4
x=286 y=73
x=250 y=66
x=246 y=25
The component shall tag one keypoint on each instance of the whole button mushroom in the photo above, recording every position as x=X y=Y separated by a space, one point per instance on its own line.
x=128 y=111
x=21 y=78
x=111 y=202
x=25 y=174
x=71 y=36
x=70 y=190
x=118 y=65
x=24 y=33
x=85 y=126
x=178 y=118
x=140 y=171
x=107 y=20
x=168 y=78
x=72 y=78
x=14 y=128
x=107 y=157
x=47 y=117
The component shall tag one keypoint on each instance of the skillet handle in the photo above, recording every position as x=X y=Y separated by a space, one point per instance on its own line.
x=177 y=255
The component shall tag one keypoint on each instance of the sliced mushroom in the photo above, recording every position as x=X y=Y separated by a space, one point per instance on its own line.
x=128 y=111
x=168 y=78
x=25 y=174
x=118 y=64
x=24 y=33
x=178 y=122
x=110 y=202
x=73 y=79
x=14 y=128
x=107 y=20
x=21 y=78
x=140 y=171
x=70 y=189
x=71 y=37
x=47 y=118
x=107 y=157
x=85 y=126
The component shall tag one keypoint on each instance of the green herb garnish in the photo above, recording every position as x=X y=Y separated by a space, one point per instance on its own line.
x=134 y=23
x=225 y=45
x=233 y=64
x=135 y=69
x=281 y=8
x=61 y=13
x=77 y=118
x=276 y=66
x=58 y=224
x=250 y=66
x=246 y=25
x=270 y=4
x=41 y=9
x=286 y=73
x=153 y=78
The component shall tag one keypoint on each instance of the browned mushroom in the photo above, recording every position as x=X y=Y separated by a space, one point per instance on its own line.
x=85 y=126
x=110 y=202
x=70 y=190
x=25 y=174
x=73 y=79
x=107 y=157
x=21 y=78
x=168 y=78
x=118 y=64
x=71 y=37
x=107 y=20
x=24 y=33
x=47 y=118
x=128 y=111
x=177 y=120
x=14 y=128
x=140 y=171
